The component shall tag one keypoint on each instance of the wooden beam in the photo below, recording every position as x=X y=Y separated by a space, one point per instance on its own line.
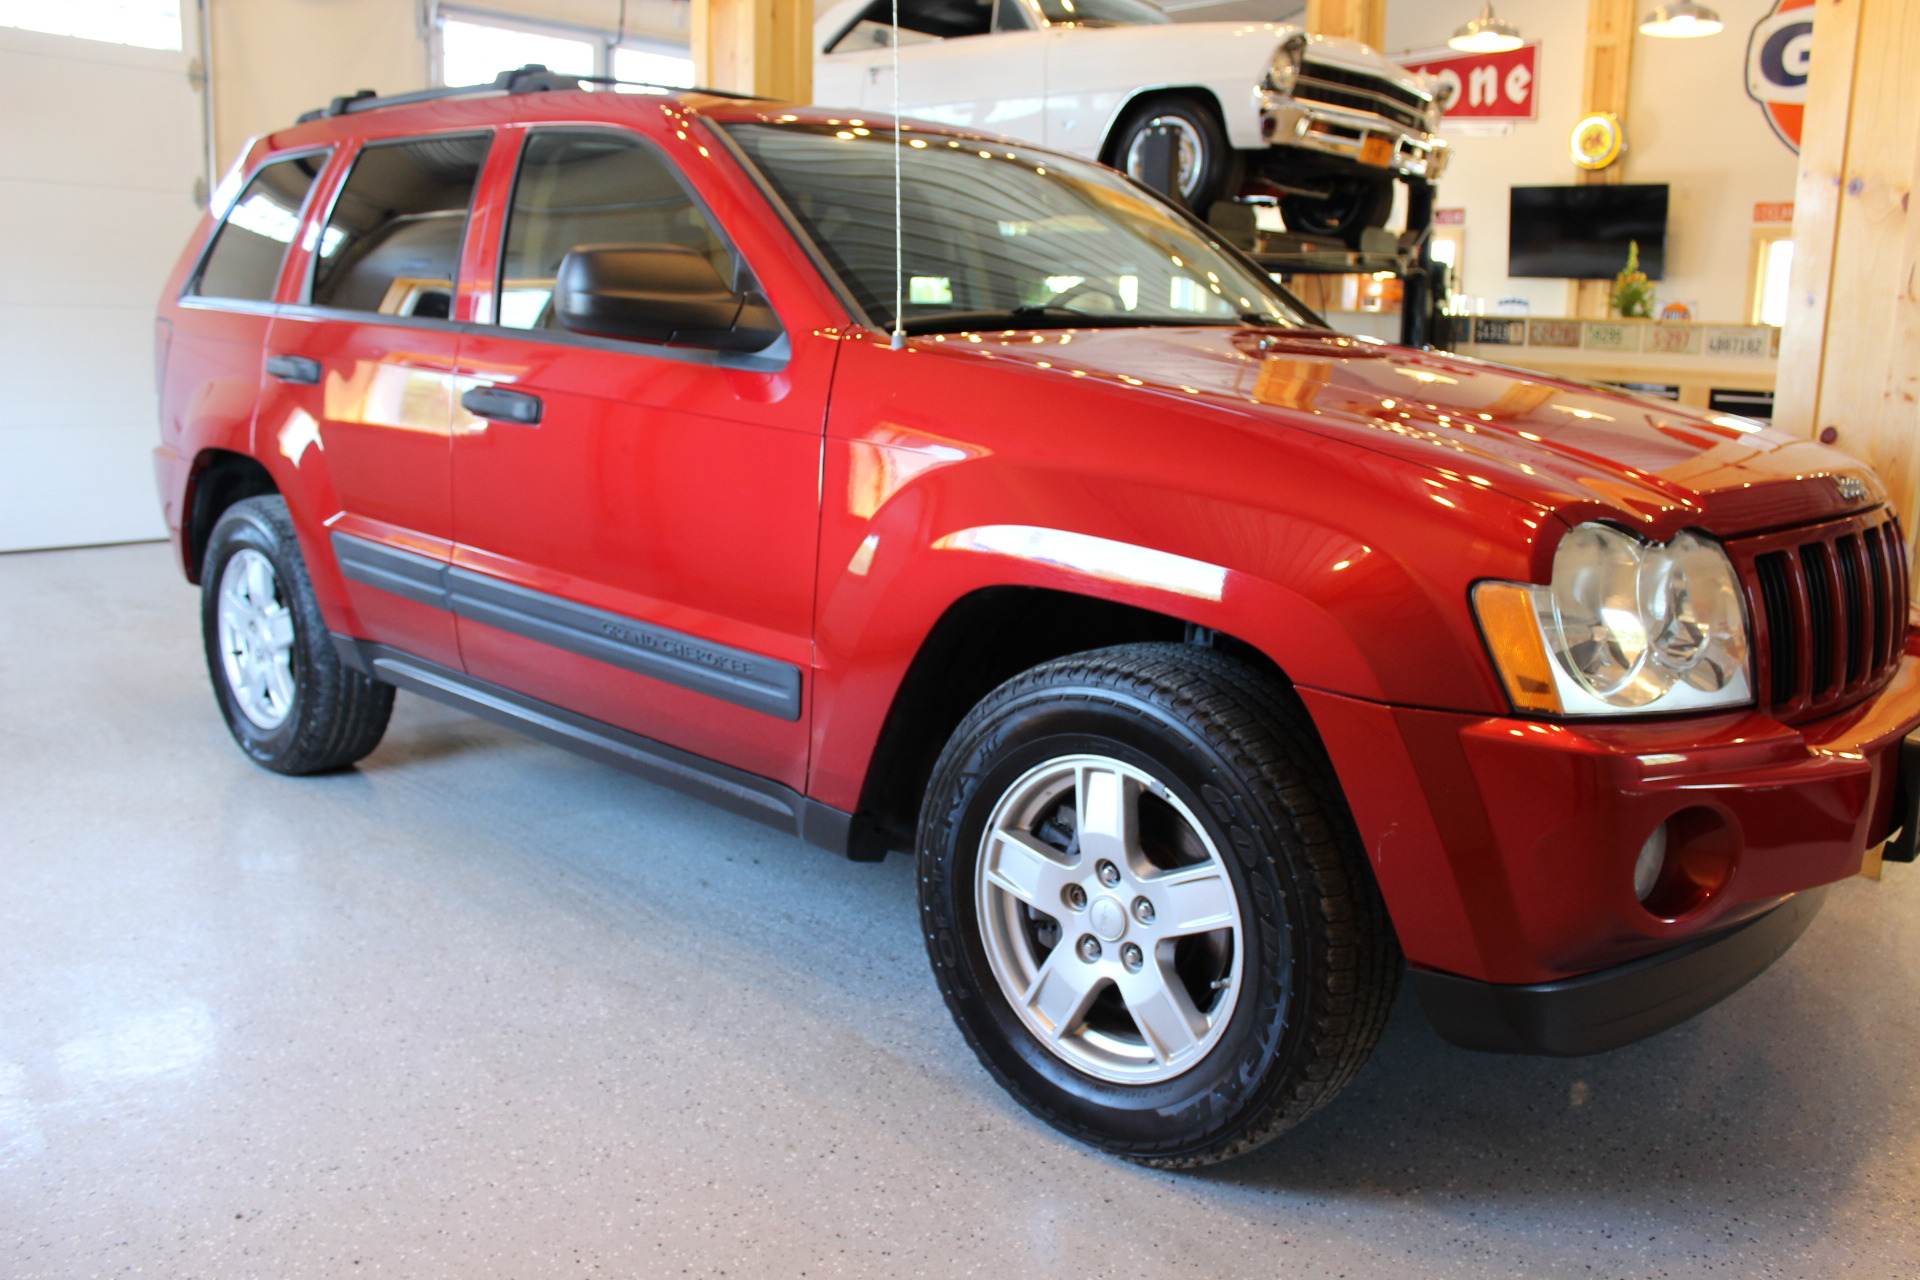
x=1850 y=354
x=1816 y=216
x=1362 y=20
x=762 y=47
x=1610 y=30
x=1609 y=73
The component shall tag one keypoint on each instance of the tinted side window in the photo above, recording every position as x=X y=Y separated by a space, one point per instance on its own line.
x=252 y=243
x=392 y=243
x=591 y=188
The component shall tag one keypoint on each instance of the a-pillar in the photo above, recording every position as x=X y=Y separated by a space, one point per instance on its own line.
x=762 y=47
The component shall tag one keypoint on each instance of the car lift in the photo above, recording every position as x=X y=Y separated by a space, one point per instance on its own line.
x=1408 y=255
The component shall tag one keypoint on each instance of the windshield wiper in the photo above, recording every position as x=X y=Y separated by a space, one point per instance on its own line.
x=1037 y=317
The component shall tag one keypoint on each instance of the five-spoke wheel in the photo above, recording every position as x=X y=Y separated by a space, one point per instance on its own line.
x=1146 y=905
x=1109 y=919
x=256 y=638
x=289 y=701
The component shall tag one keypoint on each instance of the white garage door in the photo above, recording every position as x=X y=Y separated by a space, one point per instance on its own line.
x=99 y=150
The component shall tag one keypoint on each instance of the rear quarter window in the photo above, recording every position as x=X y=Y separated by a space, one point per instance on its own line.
x=251 y=245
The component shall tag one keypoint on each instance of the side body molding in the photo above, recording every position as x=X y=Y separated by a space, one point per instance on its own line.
x=745 y=679
x=732 y=789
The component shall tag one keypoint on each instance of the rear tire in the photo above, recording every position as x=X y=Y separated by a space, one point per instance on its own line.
x=1146 y=905
x=289 y=701
x=1205 y=160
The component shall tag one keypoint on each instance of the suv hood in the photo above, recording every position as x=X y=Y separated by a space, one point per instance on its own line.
x=1580 y=451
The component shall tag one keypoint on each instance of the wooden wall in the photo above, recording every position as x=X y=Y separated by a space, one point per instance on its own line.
x=1362 y=20
x=763 y=47
x=1850 y=352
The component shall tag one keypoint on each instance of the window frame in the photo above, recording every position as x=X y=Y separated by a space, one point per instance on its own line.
x=773 y=357
x=189 y=295
x=322 y=219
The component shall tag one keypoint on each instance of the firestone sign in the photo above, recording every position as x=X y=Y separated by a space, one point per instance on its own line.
x=1778 y=54
x=1488 y=86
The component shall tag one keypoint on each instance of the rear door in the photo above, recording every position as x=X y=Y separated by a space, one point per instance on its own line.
x=635 y=523
x=359 y=382
x=213 y=360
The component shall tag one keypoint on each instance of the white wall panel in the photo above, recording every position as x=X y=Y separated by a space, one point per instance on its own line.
x=99 y=150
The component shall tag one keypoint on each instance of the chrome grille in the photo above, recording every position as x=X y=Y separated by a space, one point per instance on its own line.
x=1357 y=91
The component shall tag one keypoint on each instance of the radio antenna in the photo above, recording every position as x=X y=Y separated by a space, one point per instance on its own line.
x=899 y=255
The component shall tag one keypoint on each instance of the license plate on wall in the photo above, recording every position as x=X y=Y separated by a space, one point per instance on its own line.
x=1376 y=150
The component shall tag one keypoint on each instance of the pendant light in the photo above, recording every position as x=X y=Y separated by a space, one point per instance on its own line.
x=1681 y=19
x=1486 y=34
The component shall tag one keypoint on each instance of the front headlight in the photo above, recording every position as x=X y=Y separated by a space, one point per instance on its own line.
x=1283 y=69
x=1625 y=627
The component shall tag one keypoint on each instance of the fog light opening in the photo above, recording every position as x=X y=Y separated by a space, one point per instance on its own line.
x=1685 y=862
x=1652 y=861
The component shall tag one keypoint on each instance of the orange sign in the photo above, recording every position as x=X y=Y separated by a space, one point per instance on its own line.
x=1782 y=212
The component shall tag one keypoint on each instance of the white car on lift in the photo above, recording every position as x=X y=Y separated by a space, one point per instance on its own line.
x=1325 y=126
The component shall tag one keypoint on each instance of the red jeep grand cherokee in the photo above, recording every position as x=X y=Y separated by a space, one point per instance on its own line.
x=1210 y=662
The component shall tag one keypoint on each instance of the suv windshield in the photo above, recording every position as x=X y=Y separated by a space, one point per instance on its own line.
x=1103 y=13
x=997 y=236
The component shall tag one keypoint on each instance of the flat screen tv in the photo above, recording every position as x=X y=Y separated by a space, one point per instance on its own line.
x=1582 y=233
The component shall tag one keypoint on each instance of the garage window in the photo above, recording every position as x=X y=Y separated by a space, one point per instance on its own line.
x=149 y=24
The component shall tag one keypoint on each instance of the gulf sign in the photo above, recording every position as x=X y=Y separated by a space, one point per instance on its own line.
x=1778 y=54
x=1488 y=86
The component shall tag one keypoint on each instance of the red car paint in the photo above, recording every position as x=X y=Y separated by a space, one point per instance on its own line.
x=1326 y=500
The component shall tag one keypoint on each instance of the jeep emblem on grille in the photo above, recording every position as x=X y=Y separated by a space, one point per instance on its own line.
x=1852 y=488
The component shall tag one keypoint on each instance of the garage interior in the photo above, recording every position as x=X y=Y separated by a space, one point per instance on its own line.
x=478 y=1007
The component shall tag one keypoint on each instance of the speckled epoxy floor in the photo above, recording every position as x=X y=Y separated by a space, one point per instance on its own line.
x=482 y=1009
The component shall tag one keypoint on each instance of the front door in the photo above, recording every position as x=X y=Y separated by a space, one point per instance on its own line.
x=360 y=387
x=635 y=524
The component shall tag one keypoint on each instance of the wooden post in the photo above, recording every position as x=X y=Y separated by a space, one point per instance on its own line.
x=1610 y=29
x=1850 y=353
x=1362 y=20
x=763 y=47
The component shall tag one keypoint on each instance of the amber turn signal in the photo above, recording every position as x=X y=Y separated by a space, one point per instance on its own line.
x=1506 y=614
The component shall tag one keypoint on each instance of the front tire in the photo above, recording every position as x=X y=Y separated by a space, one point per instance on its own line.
x=1353 y=207
x=289 y=701
x=1146 y=906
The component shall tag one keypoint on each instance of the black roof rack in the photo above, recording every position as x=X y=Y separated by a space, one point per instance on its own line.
x=532 y=78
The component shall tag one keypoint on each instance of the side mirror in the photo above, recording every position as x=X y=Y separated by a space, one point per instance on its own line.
x=658 y=293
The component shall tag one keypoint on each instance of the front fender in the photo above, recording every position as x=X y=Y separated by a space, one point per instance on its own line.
x=1289 y=542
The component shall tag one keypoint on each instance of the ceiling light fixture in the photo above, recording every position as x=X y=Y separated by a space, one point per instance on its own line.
x=1486 y=34
x=1682 y=19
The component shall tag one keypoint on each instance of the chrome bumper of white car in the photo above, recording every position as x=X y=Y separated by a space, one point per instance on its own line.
x=1289 y=122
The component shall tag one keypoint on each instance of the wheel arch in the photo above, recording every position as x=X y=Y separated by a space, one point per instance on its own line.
x=980 y=641
x=219 y=478
x=1204 y=94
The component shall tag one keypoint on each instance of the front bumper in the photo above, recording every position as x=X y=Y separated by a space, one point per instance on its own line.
x=1604 y=1010
x=1505 y=848
x=1344 y=135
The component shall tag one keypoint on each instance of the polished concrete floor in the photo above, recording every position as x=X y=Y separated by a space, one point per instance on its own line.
x=482 y=1009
